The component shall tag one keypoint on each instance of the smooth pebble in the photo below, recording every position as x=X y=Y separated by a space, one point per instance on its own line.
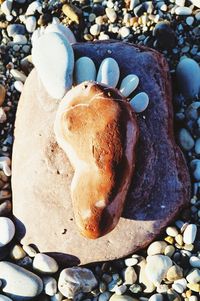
x=7 y=231
x=175 y=272
x=157 y=267
x=156 y=247
x=30 y=24
x=130 y=275
x=75 y=280
x=18 y=75
x=17 y=252
x=172 y=231
x=189 y=234
x=19 y=283
x=108 y=73
x=116 y=297
x=29 y=250
x=63 y=30
x=18 y=85
x=130 y=261
x=194 y=261
x=45 y=264
x=4 y=298
x=2 y=94
x=143 y=279
x=84 y=70
x=55 y=71
x=129 y=84
x=50 y=285
x=140 y=102
x=95 y=29
x=197 y=146
x=185 y=139
x=193 y=276
x=20 y=39
x=156 y=297
x=183 y=11
x=111 y=14
x=188 y=77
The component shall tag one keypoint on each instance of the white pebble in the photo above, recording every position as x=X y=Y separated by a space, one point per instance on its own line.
x=182 y=282
x=195 y=261
x=196 y=3
x=140 y=102
x=178 y=288
x=30 y=251
x=84 y=70
x=183 y=11
x=193 y=298
x=5 y=163
x=108 y=73
x=172 y=231
x=7 y=231
x=30 y=24
x=18 y=75
x=193 y=276
x=50 y=285
x=6 y=7
x=18 y=85
x=45 y=264
x=34 y=7
x=63 y=30
x=95 y=29
x=55 y=63
x=20 y=39
x=190 y=20
x=189 y=234
x=124 y=32
x=129 y=262
x=57 y=297
x=156 y=247
x=129 y=84
x=120 y=290
x=156 y=297
x=111 y=14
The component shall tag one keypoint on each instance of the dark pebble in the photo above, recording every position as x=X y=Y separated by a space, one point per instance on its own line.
x=45 y=19
x=165 y=35
x=5 y=208
x=139 y=10
x=98 y=10
x=14 y=29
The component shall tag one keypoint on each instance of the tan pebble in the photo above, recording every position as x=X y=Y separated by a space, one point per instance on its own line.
x=188 y=293
x=72 y=12
x=188 y=247
x=2 y=94
x=149 y=286
x=17 y=253
x=169 y=250
x=156 y=247
x=174 y=273
x=30 y=251
x=195 y=287
x=172 y=231
x=179 y=239
x=169 y=239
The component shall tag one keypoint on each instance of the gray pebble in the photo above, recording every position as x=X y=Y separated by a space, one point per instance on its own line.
x=20 y=39
x=197 y=146
x=188 y=77
x=195 y=261
x=30 y=24
x=111 y=14
x=129 y=84
x=108 y=73
x=14 y=29
x=140 y=102
x=104 y=296
x=156 y=297
x=4 y=298
x=84 y=70
x=186 y=140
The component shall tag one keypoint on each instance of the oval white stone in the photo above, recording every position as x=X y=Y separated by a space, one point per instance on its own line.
x=189 y=234
x=50 y=285
x=156 y=297
x=45 y=264
x=53 y=58
x=195 y=261
x=84 y=70
x=7 y=231
x=19 y=283
x=4 y=298
x=30 y=23
x=157 y=267
x=108 y=73
x=140 y=102
x=183 y=11
x=129 y=84
x=63 y=30
x=188 y=77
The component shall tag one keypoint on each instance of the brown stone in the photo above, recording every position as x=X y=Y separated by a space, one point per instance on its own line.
x=41 y=172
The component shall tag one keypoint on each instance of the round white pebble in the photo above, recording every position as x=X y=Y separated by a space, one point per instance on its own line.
x=140 y=102
x=189 y=234
x=50 y=285
x=84 y=70
x=95 y=29
x=18 y=85
x=45 y=264
x=108 y=73
x=195 y=261
x=129 y=84
x=7 y=231
x=183 y=11
x=30 y=24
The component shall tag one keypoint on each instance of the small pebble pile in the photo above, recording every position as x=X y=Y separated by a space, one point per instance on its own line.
x=169 y=269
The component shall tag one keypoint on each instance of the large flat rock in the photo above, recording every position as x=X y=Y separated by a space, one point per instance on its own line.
x=41 y=172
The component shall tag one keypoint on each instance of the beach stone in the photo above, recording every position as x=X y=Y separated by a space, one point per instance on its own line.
x=116 y=297
x=50 y=285
x=157 y=268
x=20 y=39
x=124 y=32
x=129 y=84
x=15 y=29
x=18 y=75
x=72 y=12
x=129 y=262
x=195 y=287
x=6 y=7
x=7 y=230
x=45 y=264
x=17 y=252
x=189 y=234
x=197 y=146
x=143 y=279
x=195 y=261
x=4 y=298
x=29 y=250
x=175 y=272
x=84 y=70
x=111 y=14
x=195 y=165
x=172 y=231
x=34 y=7
x=130 y=276
x=196 y=3
x=188 y=77
x=57 y=83
x=95 y=29
x=156 y=297
x=18 y=85
x=63 y=30
x=140 y=102
x=57 y=297
x=104 y=296
x=186 y=140
x=2 y=94
x=18 y=283
x=193 y=276
x=73 y=281
x=51 y=172
x=183 y=11
x=164 y=35
x=109 y=72
x=30 y=24
x=156 y=247
x=169 y=250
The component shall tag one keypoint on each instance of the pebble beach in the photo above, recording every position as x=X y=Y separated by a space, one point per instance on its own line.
x=169 y=268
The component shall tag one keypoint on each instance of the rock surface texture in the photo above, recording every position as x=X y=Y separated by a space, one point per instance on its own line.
x=41 y=172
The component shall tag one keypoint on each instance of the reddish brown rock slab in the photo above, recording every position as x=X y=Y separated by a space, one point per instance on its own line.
x=41 y=172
